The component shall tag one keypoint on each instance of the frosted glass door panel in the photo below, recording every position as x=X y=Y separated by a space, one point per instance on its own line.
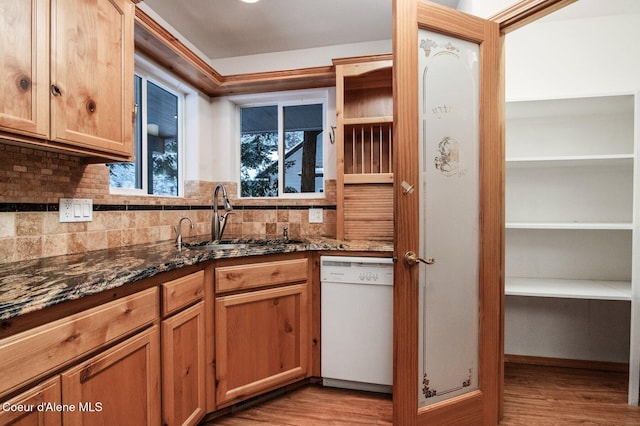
x=449 y=216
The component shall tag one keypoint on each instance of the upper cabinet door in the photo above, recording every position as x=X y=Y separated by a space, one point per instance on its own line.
x=92 y=74
x=24 y=62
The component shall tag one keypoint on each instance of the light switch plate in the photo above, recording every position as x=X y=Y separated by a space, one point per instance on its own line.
x=76 y=210
x=315 y=215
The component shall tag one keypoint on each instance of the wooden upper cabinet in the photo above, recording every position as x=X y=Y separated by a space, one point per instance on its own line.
x=24 y=61
x=92 y=69
x=67 y=75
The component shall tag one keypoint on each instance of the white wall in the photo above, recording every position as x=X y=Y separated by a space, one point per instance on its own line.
x=573 y=57
x=484 y=8
x=198 y=145
x=295 y=59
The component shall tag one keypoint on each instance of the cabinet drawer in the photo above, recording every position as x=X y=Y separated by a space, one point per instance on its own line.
x=31 y=354
x=182 y=292
x=254 y=275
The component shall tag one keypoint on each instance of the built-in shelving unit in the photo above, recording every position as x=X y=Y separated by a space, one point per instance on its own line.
x=570 y=168
x=364 y=148
x=570 y=228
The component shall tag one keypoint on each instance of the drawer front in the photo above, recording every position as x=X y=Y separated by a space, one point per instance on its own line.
x=31 y=354
x=182 y=292
x=239 y=277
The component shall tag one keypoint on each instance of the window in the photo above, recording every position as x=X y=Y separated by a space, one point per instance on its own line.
x=281 y=149
x=157 y=132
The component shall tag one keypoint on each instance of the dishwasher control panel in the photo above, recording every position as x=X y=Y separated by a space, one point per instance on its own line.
x=366 y=270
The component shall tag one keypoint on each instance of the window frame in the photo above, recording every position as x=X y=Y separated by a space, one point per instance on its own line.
x=149 y=72
x=282 y=100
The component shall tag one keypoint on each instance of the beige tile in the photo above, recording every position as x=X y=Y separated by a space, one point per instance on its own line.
x=97 y=240
x=253 y=229
x=295 y=216
x=54 y=245
x=283 y=215
x=29 y=224
x=271 y=228
x=28 y=248
x=7 y=250
x=114 y=238
x=7 y=225
x=77 y=242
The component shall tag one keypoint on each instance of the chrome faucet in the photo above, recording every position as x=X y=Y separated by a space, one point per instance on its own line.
x=219 y=222
x=178 y=230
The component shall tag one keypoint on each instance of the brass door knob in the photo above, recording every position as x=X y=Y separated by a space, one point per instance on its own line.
x=410 y=258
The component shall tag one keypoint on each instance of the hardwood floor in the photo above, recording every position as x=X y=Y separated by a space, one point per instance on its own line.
x=537 y=395
x=534 y=395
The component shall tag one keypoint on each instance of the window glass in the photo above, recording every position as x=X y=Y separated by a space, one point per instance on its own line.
x=156 y=132
x=259 y=151
x=162 y=141
x=303 y=148
x=281 y=150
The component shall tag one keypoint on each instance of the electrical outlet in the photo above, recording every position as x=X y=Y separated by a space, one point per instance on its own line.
x=76 y=209
x=315 y=215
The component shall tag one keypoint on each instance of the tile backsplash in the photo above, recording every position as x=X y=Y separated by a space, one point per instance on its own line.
x=32 y=181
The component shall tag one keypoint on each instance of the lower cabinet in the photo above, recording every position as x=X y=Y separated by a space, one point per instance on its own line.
x=120 y=386
x=183 y=367
x=262 y=341
x=148 y=358
x=31 y=407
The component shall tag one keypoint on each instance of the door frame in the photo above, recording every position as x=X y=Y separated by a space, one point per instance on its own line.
x=489 y=398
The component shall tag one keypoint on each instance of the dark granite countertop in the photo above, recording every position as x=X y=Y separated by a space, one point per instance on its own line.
x=32 y=285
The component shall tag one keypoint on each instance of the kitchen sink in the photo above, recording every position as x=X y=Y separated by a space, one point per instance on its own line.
x=240 y=243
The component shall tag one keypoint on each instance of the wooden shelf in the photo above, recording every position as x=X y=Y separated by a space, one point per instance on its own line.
x=368 y=178
x=568 y=288
x=570 y=225
x=368 y=120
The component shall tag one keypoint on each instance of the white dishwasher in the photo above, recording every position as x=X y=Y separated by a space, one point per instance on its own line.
x=357 y=322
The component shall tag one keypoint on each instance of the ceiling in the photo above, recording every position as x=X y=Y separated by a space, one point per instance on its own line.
x=229 y=28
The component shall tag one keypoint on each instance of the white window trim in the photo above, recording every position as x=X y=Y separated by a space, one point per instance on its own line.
x=152 y=73
x=282 y=99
